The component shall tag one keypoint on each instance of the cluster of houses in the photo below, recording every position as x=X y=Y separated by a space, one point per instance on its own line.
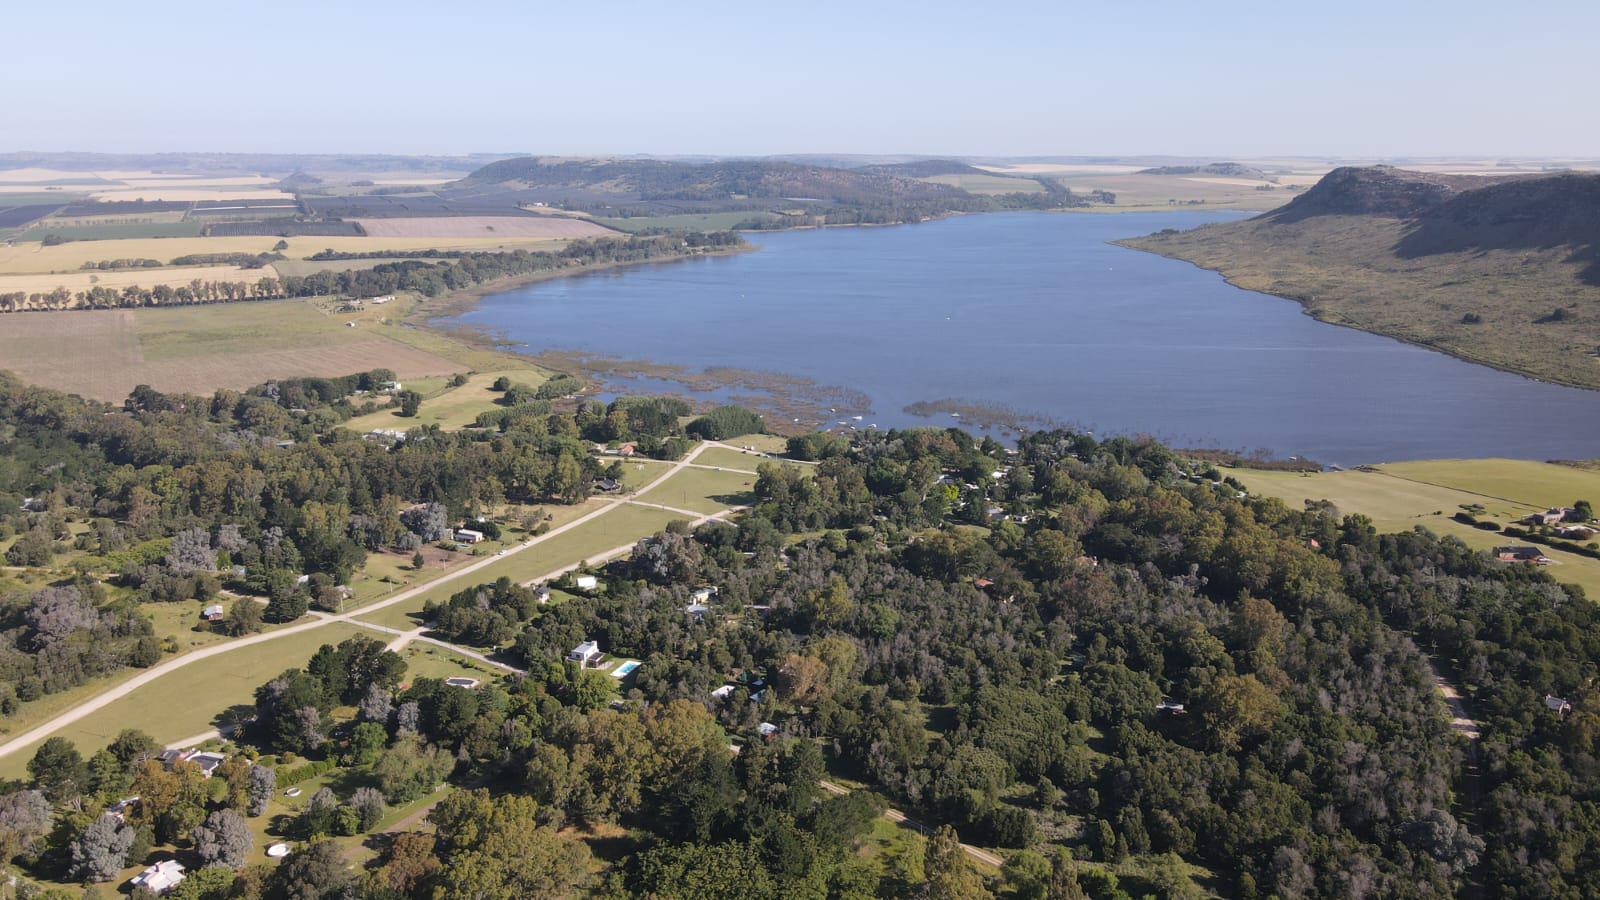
x=1564 y=519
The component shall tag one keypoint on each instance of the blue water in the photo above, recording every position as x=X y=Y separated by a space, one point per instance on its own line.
x=1038 y=312
x=623 y=670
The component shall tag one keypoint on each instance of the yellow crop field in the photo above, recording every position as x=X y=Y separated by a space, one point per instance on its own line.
x=120 y=278
x=483 y=227
x=25 y=258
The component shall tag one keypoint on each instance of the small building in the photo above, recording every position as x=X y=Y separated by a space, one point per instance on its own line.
x=1522 y=554
x=586 y=654
x=213 y=613
x=119 y=810
x=34 y=504
x=697 y=611
x=704 y=595
x=159 y=878
x=586 y=582
x=381 y=300
x=468 y=536
x=628 y=449
x=1557 y=705
x=608 y=485
x=542 y=593
x=766 y=729
x=1169 y=708
x=1555 y=515
x=1577 y=532
x=722 y=693
x=206 y=760
x=391 y=387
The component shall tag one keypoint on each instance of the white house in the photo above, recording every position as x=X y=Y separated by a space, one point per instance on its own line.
x=586 y=582
x=697 y=611
x=379 y=301
x=159 y=878
x=766 y=729
x=722 y=692
x=468 y=536
x=542 y=593
x=213 y=613
x=704 y=595
x=586 y=654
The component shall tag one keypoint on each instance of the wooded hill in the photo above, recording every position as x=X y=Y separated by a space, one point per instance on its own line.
x=1500 y=270
x=871 y=195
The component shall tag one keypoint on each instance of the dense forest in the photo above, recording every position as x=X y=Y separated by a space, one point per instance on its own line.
x=1098 y=658
x=431 y=278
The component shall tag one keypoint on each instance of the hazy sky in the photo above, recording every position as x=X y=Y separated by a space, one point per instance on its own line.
x=1201 y=78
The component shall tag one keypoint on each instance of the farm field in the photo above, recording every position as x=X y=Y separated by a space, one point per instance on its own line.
x=166 y=708
x=613 y=529
x=452 y=408
x=109 y=231
x=34 y=258
x=1396 y=501
x=702 y=490
x=120 y=278
x=687 y=221
x=1136 y=192
x=198 y=349
x=988 y=184
x=483 y=226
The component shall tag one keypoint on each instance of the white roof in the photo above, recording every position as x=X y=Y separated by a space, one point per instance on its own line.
x=766 y=728
x=586 y=581
x=723 y=691
x=161 y=877
x=587 y=648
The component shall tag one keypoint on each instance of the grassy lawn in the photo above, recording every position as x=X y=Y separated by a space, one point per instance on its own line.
x=636 y=473
x=613 y=529
x=433 y=661
x=702 y=490
x=187 y=701
x=1401 y=496
x=449 y=408
x=729 y=459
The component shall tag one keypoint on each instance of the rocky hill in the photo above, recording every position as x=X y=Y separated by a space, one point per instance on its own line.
x=1500 y=270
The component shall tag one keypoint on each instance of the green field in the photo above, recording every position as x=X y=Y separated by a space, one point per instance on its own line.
x=720 y=221
x=619 y=526
x=983 y=183
x=186 y=702
x=433 y=661
x=636 y=473
x=114 y=232
x=1401 y=496
x=450 y=407
x=703 y=490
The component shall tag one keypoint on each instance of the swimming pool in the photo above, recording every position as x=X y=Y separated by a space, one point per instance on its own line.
x=623 y=670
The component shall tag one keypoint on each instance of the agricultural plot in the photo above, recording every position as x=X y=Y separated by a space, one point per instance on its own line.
x=120 y=278
x=702 y=490
x=112 y=231
x=1166 y=191
x=988 y=184
x=483 y=227
x=688 y=221
x=186 y=702
x=33 y=257
x=198 y=349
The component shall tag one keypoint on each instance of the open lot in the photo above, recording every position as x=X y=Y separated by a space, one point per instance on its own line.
x=1167 y=191
x=186 y=701
x=484 y=226
x=1401 y=496
x=977 y=183
x=702 y=490
x=31 y=257
x=105 y=353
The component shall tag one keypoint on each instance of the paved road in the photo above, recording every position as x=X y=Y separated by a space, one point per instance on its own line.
x=111 y=695
x=900 y=818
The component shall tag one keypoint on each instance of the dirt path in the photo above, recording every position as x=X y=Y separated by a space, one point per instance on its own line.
x=100 y=701
x=900 y=818
x=1460 y=722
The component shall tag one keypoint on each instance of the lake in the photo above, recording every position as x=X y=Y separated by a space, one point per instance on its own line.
x=1037 y=312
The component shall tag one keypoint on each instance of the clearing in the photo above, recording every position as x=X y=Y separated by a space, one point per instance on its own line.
x=702 y=490
x=452 y=407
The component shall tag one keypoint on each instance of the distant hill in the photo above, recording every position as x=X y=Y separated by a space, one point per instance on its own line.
x=869 y=194
x=1221 y=169
x=1503 y=270
x=924 y=168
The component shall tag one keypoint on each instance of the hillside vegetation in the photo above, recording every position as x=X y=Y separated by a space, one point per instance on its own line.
x=1500 y=270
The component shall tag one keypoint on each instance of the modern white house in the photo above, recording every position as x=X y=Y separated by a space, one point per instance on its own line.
x=468 y=536
x=159 y=878
x=704 y=595
x=586 y=582
x=586 y=654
